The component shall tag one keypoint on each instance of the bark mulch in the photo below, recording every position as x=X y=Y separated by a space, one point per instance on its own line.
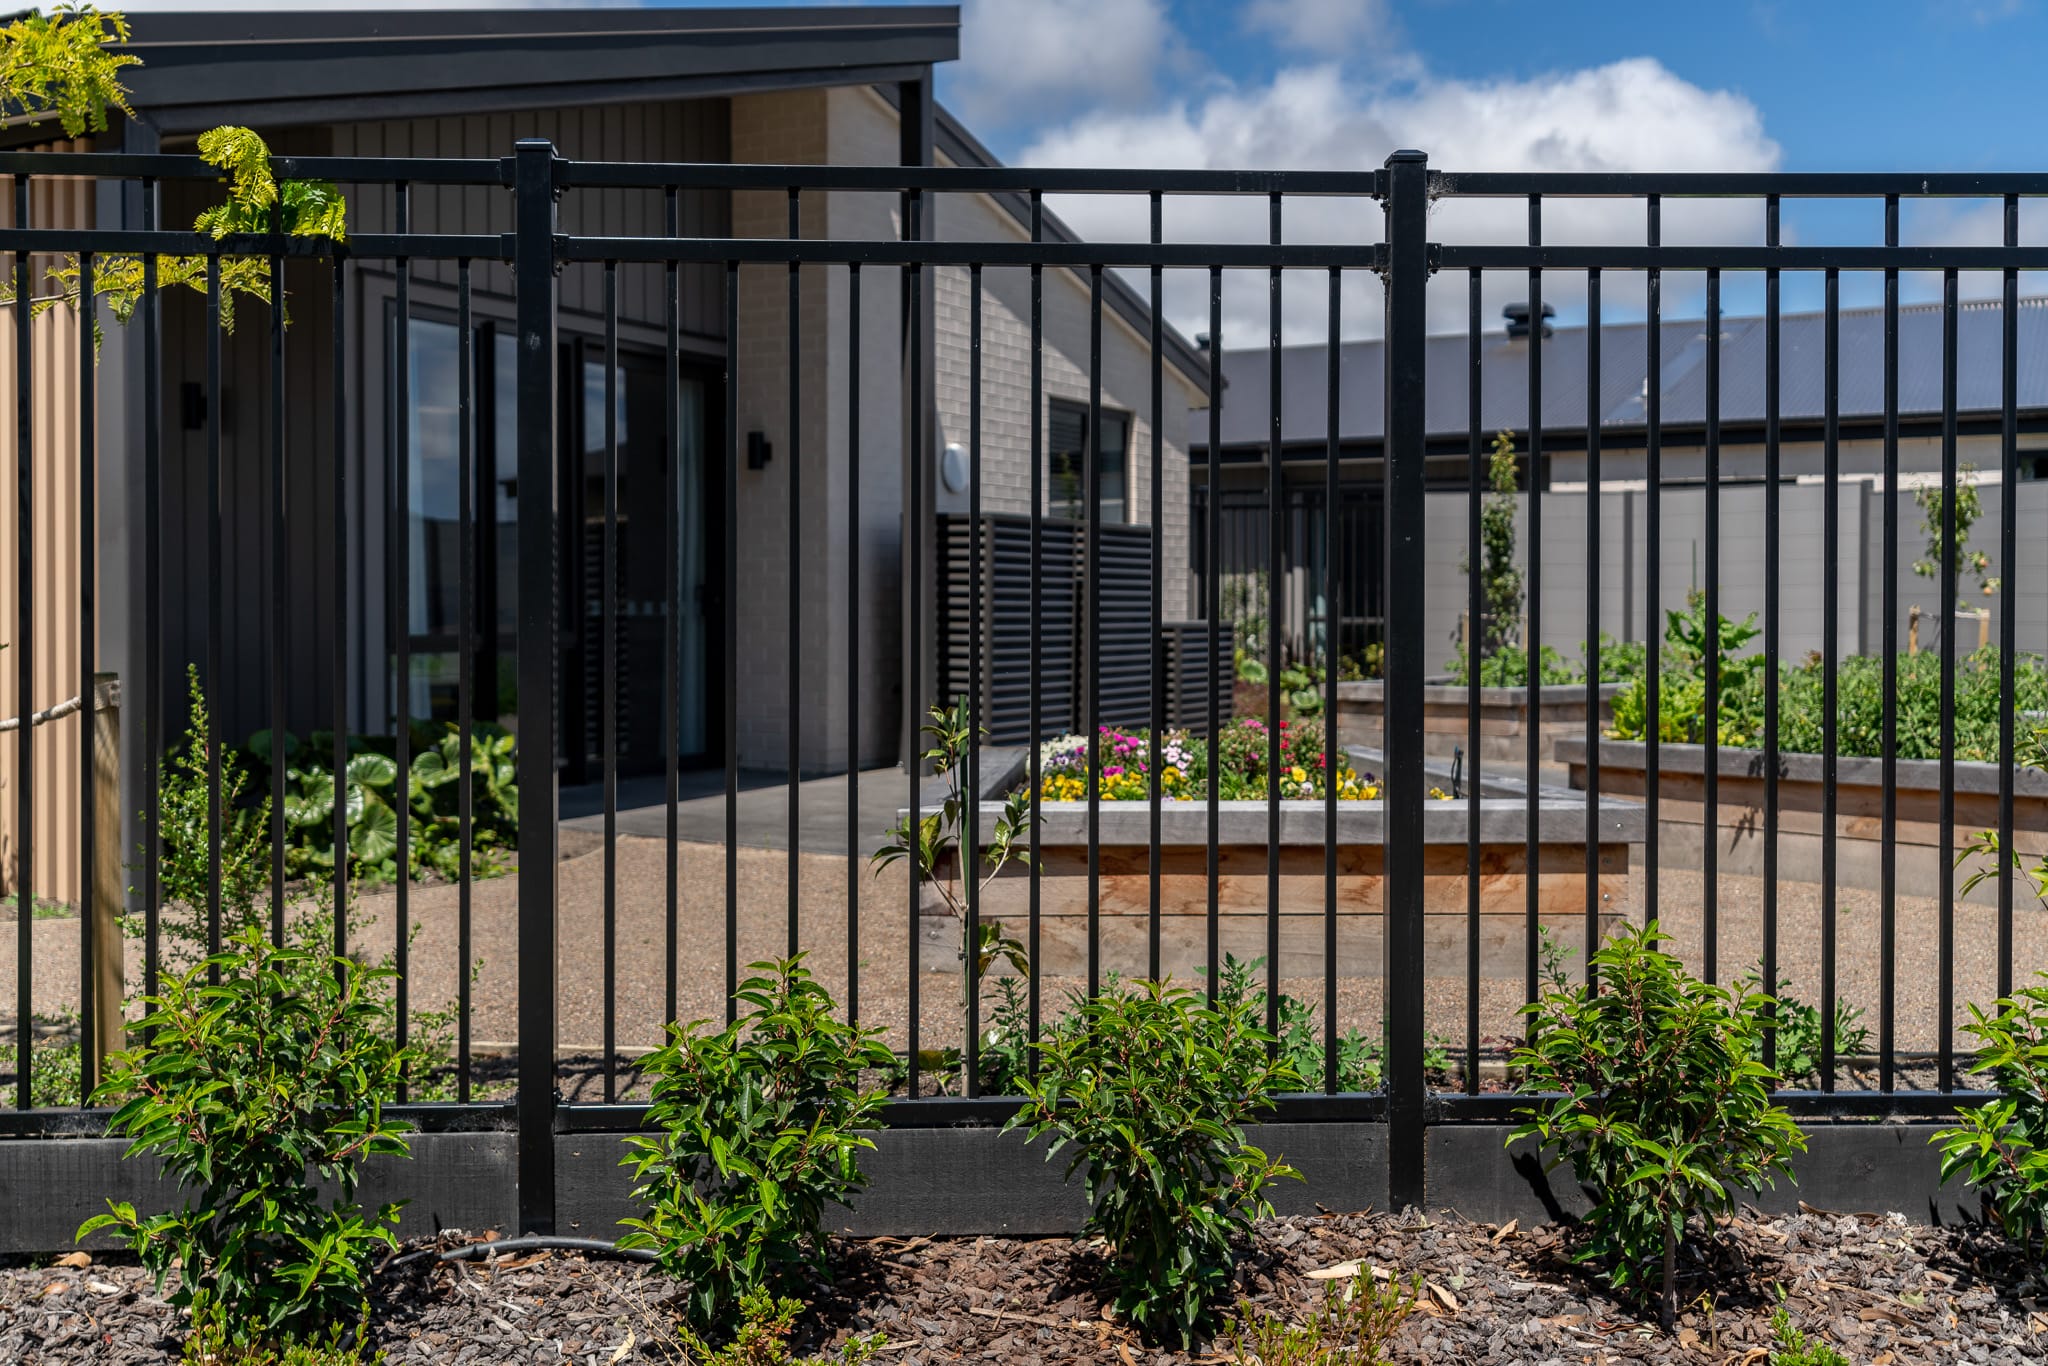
x=1883 y=1291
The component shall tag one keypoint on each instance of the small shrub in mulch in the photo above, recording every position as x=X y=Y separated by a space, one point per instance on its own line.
x=1654 y=1095
x=1872 y=1287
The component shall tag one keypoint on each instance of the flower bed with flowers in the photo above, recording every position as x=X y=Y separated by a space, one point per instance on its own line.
x=1123 y=762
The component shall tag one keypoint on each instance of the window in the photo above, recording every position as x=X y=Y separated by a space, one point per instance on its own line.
x=2033 y=465
x=1066 y=447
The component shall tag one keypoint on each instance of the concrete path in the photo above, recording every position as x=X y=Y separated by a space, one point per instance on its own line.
x=763 y=809
x=764 y=805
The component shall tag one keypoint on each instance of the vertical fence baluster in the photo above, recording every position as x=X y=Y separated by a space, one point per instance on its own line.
x=1091 y=523
x=1157 y=652
x=1333 y=619
x=1219 y=631
x=24 y=658
x=1532 y=643
x=152 y=691
x=465 y=646
x=1944 y=850
x=913 y=655
x=1592 y=621
x=1831 y=531
x=339 y=680
x=793 y=721
x=1888 y=800
x=1276 y=571
x=1406 y=443
x=280 y=590
x=1033 y=764
x=729 y=593
x=608 y=677
x=534 y=281
x=970 y=810
x=1475 y=638
x=2008 y=591
x=853 y=630
x=88 y=692
x=1772 y=569
x=398 y=622
x=1653 y=547
x=672 y=608
x=215 y=686
x=1710 y=736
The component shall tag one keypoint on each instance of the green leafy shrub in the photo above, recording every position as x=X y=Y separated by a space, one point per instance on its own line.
x=212 y=1343
x=1794 y=1348
x=1508 y=667
x=60 y=64
x=1657 y=1101
x=369 y=784
x=54 y=1055
x=1799 y=1034
x=759 y=1129
x=1149 y=1088
x=185 y=869
x=2002 y=1148
x=762 y=1338
x=239 y=1088
x=1356 y=1323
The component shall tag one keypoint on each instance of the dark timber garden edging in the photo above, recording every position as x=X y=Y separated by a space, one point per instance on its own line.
x=1681 y=810
x=977 y=1180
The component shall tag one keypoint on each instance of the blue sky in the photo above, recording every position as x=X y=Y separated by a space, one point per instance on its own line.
x=1755 y=85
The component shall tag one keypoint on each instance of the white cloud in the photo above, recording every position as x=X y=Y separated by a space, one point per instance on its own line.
x=1035 y=61
x=1319 y=26
x=1628 y=115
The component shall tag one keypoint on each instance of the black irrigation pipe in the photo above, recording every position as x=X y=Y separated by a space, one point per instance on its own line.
x=471 y=1252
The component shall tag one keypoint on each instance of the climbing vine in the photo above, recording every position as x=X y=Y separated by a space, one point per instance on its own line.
x=59 y=65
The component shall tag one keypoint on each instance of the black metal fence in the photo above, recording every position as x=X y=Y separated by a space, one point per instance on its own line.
x=1407 y=902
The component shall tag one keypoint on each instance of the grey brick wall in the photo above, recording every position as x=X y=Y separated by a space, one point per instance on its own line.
x=854 y=126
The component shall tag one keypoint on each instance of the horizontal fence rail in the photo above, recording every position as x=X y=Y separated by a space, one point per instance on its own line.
x=637 y=522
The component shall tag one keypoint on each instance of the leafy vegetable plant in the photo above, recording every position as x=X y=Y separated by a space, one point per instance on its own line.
x=2002 y=1148
x=371 y=788
x=239 y=1088
x=1148 y=1089
x=760 y=1127
x=1657 y=1100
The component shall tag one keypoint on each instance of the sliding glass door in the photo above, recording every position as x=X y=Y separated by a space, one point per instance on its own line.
x=652 y=480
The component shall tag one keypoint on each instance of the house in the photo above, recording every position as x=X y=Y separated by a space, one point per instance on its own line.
x=839 y=84
x=1245 y=421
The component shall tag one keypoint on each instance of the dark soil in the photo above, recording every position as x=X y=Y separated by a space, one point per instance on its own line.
x=1883 y=1291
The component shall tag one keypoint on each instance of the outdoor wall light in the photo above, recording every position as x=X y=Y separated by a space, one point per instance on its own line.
x=759 y=452
x=953 y=467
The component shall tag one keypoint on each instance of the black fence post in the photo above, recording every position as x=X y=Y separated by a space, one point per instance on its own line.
x=1407 y=285
x=534 y=282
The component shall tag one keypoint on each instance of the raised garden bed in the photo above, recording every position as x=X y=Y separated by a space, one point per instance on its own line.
x=1681 y=811
x=1503 y=719
x=1061 y=844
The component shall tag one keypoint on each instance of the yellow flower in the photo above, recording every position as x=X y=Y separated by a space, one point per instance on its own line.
x=1300 y=774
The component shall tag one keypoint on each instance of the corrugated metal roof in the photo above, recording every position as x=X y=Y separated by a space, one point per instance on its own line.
x=1504 y=376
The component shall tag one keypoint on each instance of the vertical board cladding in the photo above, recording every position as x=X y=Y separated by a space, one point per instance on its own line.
x=54 y=202
x=674 y=131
